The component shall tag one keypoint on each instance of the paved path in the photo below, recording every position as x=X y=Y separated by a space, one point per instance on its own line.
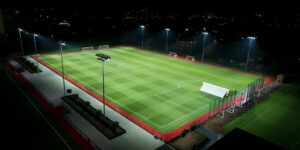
x=213 y=137
x=50 y=86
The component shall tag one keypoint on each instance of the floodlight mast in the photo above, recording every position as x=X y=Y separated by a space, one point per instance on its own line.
x=204 y=39
x=167 y=30
x=251 y=38
x=36 y=52
x=103 y=58
x=21 y=41
x=61 y=44
x=142 y=27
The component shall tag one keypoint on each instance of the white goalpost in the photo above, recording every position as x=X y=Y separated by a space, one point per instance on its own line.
x=87 y=49
x=172 y=54
x=191 y=58
x=101 y=47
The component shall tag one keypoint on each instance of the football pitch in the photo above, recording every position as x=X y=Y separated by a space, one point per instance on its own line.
x=275 y=119
x=158 y=90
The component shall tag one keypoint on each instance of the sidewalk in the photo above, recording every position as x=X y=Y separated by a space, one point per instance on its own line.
x=50 y=87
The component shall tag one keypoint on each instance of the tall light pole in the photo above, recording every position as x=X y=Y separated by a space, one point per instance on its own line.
x=251 y=38
x=21 y=42
x=167 y=30
x=61 y=44
x=205 y=34
x=142 y=27
x=103 y=58
x=36 y=52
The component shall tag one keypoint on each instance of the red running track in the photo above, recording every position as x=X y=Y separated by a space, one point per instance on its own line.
x=54 y=112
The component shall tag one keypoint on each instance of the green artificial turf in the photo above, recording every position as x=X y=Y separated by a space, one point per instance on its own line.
x=161 y=91
x=275 y=119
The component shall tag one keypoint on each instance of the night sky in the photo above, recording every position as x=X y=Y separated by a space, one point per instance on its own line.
x=276 y=25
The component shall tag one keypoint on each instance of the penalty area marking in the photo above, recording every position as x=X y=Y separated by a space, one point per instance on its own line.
x=160 y=126
x=133 y=112
x=157 y=125
x=121 y=67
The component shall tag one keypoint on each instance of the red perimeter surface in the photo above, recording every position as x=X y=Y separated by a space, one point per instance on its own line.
x=163 y=136
x=54 y=112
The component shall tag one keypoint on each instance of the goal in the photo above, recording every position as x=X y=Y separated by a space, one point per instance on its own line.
x=190 y=58
x=87 y=49
x=101 y=47
x=172 y=54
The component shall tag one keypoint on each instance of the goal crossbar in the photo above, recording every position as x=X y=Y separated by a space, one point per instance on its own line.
x=100 y=47
x=87 y=49
x=188 y=57
x=172 y=54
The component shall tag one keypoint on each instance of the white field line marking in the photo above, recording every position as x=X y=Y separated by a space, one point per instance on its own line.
x=93 y=80
x=137 y=113
x=133 y=112
x=191 y=82
x=174 y=121
x=160 y=126
x=262 y=114
x=121 y=67
x=214 y=74
x=174 y=104
x=182 y=117
x=40 y=113
x=165 y=125
x=186 y=82
x=178 y=86
x=211 y=74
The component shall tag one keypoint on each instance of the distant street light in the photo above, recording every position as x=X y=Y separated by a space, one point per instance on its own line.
x=21 y=42
x=251 y=38
x=61 y=44
x=205 y=34
x=103 y=58
x=36 y=52
x=167 y=30
x=142 y=27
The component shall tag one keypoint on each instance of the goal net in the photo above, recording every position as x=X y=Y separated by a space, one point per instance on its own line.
x=87 y=49
x=172 y=54
x=191 y=58
x=101 y=47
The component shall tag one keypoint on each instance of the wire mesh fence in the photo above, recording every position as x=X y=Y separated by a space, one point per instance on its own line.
x=227 y=104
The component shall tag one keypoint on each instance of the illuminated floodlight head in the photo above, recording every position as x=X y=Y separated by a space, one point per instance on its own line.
x=167 y=29
x=35 y=35
x=251 y=37
x=62 y=43
x=103 y=57
x=142 y=26
x=205 y=33
x=20 y=29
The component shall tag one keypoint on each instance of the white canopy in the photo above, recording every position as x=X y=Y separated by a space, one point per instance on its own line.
x=214 y=90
